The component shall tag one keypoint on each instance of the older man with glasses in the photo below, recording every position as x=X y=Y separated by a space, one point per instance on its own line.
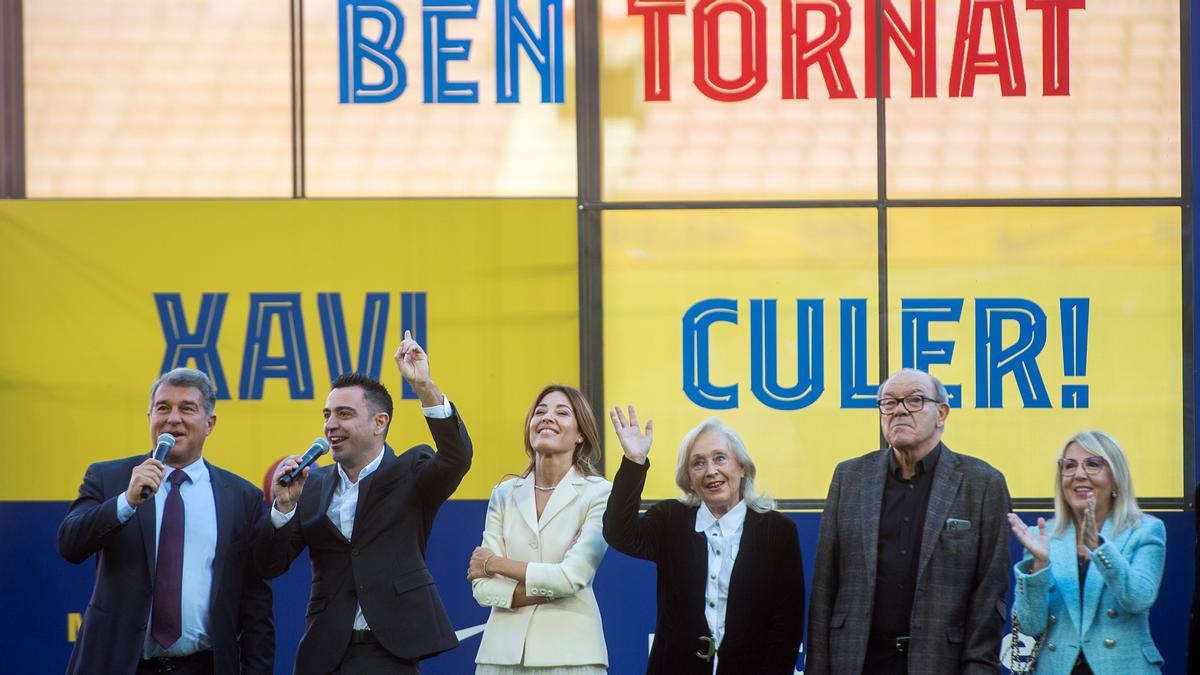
x=912 y=559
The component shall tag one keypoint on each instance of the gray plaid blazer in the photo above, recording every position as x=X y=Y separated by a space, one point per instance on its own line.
x=958 y=614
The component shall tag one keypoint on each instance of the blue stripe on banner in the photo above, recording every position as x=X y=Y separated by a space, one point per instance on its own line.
x=39 y=591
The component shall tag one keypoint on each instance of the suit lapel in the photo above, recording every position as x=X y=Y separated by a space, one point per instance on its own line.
x=946 y=479
x=523 y=495
x=1062 y=547
x=872 y=479
x=332 y=478
x=1094 y=584
x=364 y=485
x=223 y=502
x=566 y=492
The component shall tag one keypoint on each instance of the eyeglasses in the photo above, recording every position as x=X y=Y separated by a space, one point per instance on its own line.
x=1092 y=466
x=912 y=404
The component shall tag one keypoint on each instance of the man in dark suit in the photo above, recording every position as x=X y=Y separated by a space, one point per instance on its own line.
x=176 y=589
x=366 y=520
x=912 y=560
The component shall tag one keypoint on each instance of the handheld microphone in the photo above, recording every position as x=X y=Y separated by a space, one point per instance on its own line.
x=165 y=443
x=318 y=448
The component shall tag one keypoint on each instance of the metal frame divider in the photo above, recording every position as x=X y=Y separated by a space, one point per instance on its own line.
x=296 y=17
x=589 y=163
x=12 y=100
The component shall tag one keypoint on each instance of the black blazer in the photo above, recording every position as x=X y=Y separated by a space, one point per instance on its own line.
x=241 y=619
x=383 y=568
x=764 y=618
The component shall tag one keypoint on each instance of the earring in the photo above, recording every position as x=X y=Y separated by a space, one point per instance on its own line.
x=1114 y=494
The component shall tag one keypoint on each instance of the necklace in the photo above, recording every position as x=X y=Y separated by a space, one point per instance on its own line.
x=544 y=489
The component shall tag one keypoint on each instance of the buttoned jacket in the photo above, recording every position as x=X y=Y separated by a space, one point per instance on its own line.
x=1111 y=625
x=562 y=550
x=958 y=613
x=382 y=567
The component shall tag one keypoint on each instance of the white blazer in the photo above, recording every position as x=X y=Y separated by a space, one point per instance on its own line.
x=566 y=631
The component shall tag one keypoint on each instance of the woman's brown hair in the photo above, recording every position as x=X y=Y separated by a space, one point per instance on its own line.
x=587 y=453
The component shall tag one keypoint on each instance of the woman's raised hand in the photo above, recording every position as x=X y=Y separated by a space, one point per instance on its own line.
x=1037 y=543
x=634 y=441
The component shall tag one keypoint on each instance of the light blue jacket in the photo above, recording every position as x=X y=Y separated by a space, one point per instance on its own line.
x=1112 y=624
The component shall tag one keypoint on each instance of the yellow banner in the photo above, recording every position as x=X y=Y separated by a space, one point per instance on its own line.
x=99 y=297
x=1043 y=322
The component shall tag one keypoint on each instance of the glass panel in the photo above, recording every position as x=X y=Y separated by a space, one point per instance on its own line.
x=747 y=131
x=1053 y=321
x=157 y=98
x=685 y=296
x=401 y=129
x=1105 y=124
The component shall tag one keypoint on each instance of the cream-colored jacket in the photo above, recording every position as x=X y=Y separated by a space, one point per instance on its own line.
x=563 y=550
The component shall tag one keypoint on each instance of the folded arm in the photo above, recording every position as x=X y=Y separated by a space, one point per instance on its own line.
x=579 y=564
x=494 y=587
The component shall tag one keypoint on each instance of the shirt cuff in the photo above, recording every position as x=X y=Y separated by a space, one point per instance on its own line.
x=124 y=510
x=439 y=412
x=279 y=519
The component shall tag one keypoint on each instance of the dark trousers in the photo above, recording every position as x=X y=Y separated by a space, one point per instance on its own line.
x=365 y=656
x=196 y=664
x=884 y=659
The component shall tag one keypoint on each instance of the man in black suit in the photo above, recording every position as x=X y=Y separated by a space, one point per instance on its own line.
x=366 y=520
x=175 y=590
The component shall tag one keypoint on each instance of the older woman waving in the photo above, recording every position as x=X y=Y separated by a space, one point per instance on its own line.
x=730 y=574
x=1086 y=586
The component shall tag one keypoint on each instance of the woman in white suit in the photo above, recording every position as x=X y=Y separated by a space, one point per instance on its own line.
x=542 y=543
x=1087 y=586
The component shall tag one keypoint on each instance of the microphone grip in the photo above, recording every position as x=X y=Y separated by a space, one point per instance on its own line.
x=318 y=448
x=165 y=443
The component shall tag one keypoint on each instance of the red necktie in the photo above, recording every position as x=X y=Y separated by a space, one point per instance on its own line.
x=168 y=575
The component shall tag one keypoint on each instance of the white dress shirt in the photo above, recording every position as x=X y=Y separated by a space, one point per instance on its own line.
x=199 y=551
x=724 y=539
x=345 y=499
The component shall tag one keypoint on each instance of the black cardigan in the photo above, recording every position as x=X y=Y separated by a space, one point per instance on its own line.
x=764 y=618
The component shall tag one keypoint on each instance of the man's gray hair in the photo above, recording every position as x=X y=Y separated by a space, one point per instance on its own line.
x=188 y=377
x=939 y=389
